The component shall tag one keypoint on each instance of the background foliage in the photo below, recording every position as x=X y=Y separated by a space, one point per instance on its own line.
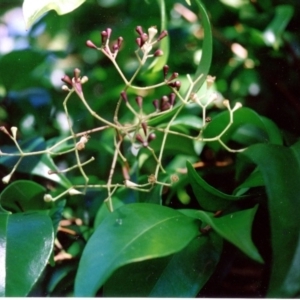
x=257 y=62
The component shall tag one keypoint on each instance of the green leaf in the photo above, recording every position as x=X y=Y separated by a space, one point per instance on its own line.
x=236 y=228
x=263 y=130
x=26 y=242
x=204 y=65
x=207 y=196
x=280 y=167
x=33 y=10
x=182 y=274
x=23 y=195
x=134 y=232
x=274 y=31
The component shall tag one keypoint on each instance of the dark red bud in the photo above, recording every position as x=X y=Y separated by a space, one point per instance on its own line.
x=165 y=70
x=165 y=106
x=158 y=52
x=139 y=138
x=66 y=79
x=90 y=44
x=177 y=84
x=144 y=37
x=139 y=101
x=151 y=137
x=124 y=96
x=172 y=98
x=104 y=37
x=115 y=48
x=144 y=126
x=163 y=34
x=156 y=104
x=139 y=30
x=173 y=76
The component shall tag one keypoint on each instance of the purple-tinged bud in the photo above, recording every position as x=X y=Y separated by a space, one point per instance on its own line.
x=124 y=96
x=120 y=41
x=177 y=84
x=156 y=104
x=139 y=101
x=151 y=137
x=104 y=37
x=164 y=102
x=163 y=34
x=144 y=38
x=76 y=74
x=139 y=30
x=165 y=70
x=158 y=52
x=115 y=48
x=139 y=138
x=90 y=44
x=173 y=76
x=172 y=98
x=108 y=30
x=144 y=126
x=66 y=79
x=139 y=42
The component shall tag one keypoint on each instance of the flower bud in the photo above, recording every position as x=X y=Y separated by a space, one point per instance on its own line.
x=172 y=98
x=173 y=76
x=14 y=131
x=139 y=138
x=156 y=104
x=104 y=37
x=163 y=34
x=144 y=126
x=123 y=95
x=84 y=79
x=139 y=42
x=226 y=104
x=108 y=31
x=66 y=79
x=139 y=30
x=144 y=38
x=48 y=198
x=73 y=192
x=158 y=52
x=139 y=101
x=152 y=31
x=210 y=80
x=90 y=44
x=115 y=48
x=6 y=178
x=165 y=70
x=76 y=74
x=151 y=137
x=120 y=41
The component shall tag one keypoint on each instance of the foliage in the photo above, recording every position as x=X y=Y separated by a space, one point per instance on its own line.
x=139 y=180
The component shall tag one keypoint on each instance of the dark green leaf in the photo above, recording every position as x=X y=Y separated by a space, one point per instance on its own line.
x=134 y=232
x=207 y=196
x=236 y=228
x=280 y=167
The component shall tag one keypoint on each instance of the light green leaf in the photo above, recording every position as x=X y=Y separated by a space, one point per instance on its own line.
x=134 y=232
x=236 y=228
x=33 y=10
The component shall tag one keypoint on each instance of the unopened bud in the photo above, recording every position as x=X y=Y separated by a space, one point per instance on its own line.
x=90 y=44
x=139 y=101
x=163 y=34
x=139 y=30
x=130 y=184
x=165 y=70
x=156 y=104
x=66 y=79
x=123 y=95
x=144 y=126
x=76 y=74
x=237 y=106
x=6 y=178
x=226 y=104
x=48 y=198
x=84 y=79
x=152 y=31
x=115 y=48
x=104 y=37
x=172 y=98
x=14 y=131
x=73 y=192
x=173 y=76
x=139 y=41
x=144 y=37
x=139 y=138
x=151 y=137
x=120 y=41
x=158 y=52
x=108 y=31
x=4 y=130
x=210 y=80
x=65 y=88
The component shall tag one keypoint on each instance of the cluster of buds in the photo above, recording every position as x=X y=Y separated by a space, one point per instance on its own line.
x=146 y=41
x=165 y=102
x=148 y=136
x=170 y=80
x=105 y=37
x=74 y=83
x=13 y=134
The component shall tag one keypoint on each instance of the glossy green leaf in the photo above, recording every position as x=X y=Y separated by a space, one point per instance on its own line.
x=206 y=57
x=33 y=10
x=134 y=232
x=23 y=195
x=3 y=245
x=236 y=228
x=182 y=274
x=273 y=33
x=280 y=167
x=263 y=130
x=207 y=196
x=26 y=244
